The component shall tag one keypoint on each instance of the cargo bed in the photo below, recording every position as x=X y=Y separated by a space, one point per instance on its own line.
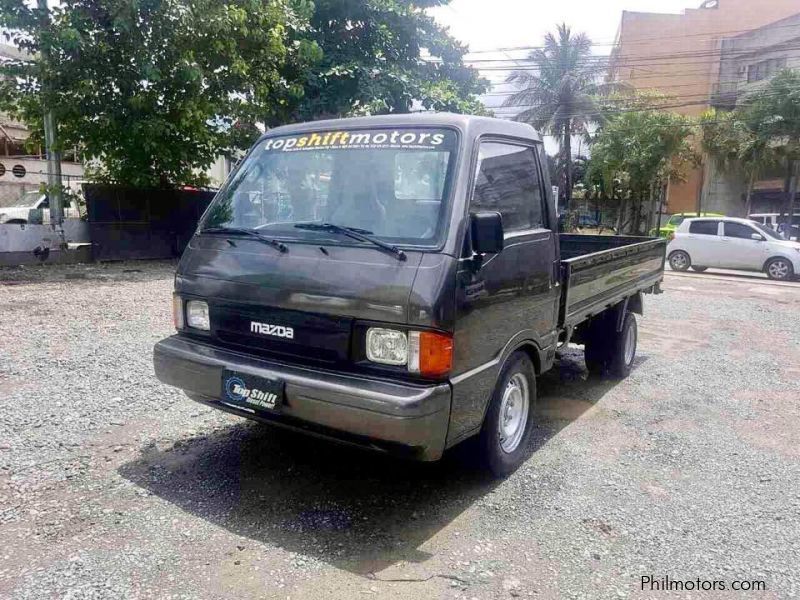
x=598 y=271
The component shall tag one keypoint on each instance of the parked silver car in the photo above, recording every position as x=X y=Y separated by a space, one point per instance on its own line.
x=731 y=243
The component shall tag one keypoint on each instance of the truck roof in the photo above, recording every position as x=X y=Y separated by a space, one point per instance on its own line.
x=468 y=124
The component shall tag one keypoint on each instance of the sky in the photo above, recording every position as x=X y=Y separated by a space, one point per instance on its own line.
x=486 y=24
x=491 y=24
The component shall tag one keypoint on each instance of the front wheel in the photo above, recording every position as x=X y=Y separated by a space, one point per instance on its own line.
x=679 y=261
x=505 y=436
x=779 y=269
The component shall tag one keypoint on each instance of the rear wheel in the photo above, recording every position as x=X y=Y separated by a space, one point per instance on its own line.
x=779 y=269
x=609 y=351
x=699 y=269
x=679 y=261
x=505 y=436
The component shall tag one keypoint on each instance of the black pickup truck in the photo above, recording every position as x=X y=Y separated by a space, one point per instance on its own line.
x=397 y=282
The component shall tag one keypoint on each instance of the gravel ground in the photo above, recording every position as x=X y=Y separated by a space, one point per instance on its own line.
x=115 y=486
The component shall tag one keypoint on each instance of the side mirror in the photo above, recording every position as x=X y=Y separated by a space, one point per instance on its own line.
x=757 y=237
x=486 y=229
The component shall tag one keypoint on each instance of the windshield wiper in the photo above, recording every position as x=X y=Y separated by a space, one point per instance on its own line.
x=356 y=234
x=248 y=232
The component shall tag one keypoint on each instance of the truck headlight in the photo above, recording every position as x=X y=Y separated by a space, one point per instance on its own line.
x=387 y=346
x=427 y=353
x=197 y=315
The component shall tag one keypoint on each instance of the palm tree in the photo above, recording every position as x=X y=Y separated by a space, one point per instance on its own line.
x=558 y=98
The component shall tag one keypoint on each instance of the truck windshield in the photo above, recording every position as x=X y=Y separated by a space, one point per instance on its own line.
x=390 y=183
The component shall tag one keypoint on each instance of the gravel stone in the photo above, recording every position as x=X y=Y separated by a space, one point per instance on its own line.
x=115 y=486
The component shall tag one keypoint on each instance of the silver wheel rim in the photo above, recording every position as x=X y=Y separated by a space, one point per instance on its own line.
x=678 y=261
x=630 y=344
x=514 y=412
x=779 y=269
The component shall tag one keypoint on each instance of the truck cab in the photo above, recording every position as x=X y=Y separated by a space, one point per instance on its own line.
x=394 y=282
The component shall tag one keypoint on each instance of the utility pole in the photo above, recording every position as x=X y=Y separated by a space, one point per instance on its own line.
x=54 y=189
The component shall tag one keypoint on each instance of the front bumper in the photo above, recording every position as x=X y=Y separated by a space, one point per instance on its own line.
x=402 y=418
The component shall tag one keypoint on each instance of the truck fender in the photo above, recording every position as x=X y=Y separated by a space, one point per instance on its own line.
x=633 y=304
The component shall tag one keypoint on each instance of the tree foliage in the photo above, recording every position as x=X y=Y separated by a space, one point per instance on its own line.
x=385 y=56
x=737 y=148
x=636 y=153
x=762 y=133
x=153 y=90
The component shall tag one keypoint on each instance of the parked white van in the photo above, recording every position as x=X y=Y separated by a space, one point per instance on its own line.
x=771 y=220
x=731 y=243
x=20 y=211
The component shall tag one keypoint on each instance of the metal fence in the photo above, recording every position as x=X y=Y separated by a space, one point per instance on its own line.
x=128 y=223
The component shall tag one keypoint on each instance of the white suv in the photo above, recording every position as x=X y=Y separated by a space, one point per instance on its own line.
x=731 y=243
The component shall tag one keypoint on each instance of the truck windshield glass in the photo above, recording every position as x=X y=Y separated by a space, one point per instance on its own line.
x=390 y=183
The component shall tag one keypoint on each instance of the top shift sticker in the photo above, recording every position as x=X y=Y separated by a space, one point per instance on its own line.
x=331 y=140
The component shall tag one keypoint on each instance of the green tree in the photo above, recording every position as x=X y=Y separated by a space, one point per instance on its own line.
x=772 y=114
x=637 y=152
x=151 y=91
x=559 y=97
x=737 y=148
x=383 y=56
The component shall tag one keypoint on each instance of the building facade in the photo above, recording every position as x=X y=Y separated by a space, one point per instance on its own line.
x=679 y=55
x=747 y=62
x=22 y=169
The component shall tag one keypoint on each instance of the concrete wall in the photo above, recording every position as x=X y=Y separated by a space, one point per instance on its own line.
x=12 y=187
x=17 y=243
x=678 y=55
x=723 y=191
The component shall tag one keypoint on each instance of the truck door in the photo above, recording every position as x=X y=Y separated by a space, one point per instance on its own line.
x=505 y=297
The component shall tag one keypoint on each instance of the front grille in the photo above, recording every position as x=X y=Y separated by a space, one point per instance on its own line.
x=319 y=338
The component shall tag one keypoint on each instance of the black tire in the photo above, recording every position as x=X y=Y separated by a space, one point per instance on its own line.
x=699 y=269
x=679 y=261
x=605 y=349
x=498 y=461
x=779 y=269
x=595 y=352
x=621 y=361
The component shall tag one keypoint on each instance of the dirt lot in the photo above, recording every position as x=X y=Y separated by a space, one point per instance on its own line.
x=114 y=486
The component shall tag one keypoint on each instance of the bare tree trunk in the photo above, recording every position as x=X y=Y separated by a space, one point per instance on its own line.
x=623 y=205
x=788 y=182
x=748 y=202
x=792 y=199
x=567 y=149
x=650 y=208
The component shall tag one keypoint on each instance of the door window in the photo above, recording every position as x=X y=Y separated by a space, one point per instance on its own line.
x=704 y=227
x=738 y=230
x=507 y=181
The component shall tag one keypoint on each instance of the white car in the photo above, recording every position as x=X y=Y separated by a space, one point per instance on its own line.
x=19 y=212
x=731 y=243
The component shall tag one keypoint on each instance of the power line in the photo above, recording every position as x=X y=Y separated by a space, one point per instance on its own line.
x=646 y=41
